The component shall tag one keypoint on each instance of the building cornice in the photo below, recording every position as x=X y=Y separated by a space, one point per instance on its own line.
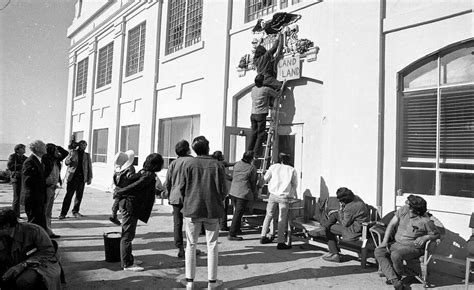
x=105 y=23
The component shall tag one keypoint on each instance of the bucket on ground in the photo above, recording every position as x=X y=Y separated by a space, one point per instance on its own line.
x=112 y=246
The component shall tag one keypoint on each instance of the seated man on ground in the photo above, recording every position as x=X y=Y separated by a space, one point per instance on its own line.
x=413 y=229
x=347 y=222
x=33 y=263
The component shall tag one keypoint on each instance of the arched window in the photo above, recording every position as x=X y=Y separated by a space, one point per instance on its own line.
x=436 y=124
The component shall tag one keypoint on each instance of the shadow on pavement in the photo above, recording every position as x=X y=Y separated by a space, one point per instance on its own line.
x=299 y=274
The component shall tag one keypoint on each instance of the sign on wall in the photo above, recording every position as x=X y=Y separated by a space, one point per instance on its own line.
x=289 y=68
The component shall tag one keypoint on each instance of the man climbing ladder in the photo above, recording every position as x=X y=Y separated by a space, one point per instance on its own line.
x=262 y=98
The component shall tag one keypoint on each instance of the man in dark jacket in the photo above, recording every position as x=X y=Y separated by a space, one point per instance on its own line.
x=79 y=172
x=173 y=183
x=203 y=188
x=34 y=184
x=136 y=203
x=242 y=190
x=347 y=222
x=15 y=164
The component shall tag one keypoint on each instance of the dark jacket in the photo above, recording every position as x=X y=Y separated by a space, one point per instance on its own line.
x=15 y=164
x=173 y=180
x=49 y=161
x=244 y=181
x=125 y=177
x=264 y=64
x=203 y=187
x=352 y=216
x=26 y=237
x=137 y=199
x=71 y=162
x=33 y=186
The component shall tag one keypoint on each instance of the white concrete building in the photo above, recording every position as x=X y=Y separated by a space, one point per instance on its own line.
x=385 y=106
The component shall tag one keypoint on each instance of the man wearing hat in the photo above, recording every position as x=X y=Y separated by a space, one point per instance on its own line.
x=347 y=222
x=413 y=229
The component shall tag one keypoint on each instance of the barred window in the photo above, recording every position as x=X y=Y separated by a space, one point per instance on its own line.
x=135 y=50
x=184 y=24
x=81 y=77
x=437 y=124
x=104 y=66
x=257 y=8
x=100 y=140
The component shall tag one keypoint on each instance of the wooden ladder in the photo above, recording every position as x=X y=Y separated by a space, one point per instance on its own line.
x=272 y=131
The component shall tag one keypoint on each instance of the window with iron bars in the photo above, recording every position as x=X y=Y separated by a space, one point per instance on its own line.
x=81 y=77
x=184 y=24
x=136 y=49
x=255 y=9
x=104 y=66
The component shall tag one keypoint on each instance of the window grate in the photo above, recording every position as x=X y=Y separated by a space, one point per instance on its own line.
x=136 y=49
x=258 y=8
x=184 y=24
x=81 y=77
x=104 y=66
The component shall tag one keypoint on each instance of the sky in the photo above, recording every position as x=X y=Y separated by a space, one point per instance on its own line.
x=34 y=69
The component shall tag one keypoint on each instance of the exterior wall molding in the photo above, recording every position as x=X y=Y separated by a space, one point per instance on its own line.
x=73 y=29
x=180 y=95
x=119 y=28
x=183 y=52
x=422 y=16
x=101 y=26
x=72 y=60
x=133 y=77
x=92 y=46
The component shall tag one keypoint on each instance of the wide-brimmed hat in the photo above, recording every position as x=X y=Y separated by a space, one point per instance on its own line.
x=131 y=157
x=119 y=160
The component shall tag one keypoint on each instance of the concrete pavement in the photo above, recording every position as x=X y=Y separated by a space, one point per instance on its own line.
x=242 y=264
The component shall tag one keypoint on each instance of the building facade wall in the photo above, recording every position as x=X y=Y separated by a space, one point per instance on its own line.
x=436 y=25
x=333 y=108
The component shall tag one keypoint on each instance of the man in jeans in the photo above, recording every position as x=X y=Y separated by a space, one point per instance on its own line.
x=173 y=184
x=413 y=229
x=204 y=189
x=261 y=98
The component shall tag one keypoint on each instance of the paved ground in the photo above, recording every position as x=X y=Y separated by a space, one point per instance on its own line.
x=242 y=264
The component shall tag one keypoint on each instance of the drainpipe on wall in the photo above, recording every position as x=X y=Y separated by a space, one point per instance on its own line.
x=381 y=109
x=157 y=70
x=226 y=68
x=123 y=28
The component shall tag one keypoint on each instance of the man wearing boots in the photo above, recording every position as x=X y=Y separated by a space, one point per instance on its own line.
x=347 y=222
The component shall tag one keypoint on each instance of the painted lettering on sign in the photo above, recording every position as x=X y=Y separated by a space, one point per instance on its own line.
x=289 y=68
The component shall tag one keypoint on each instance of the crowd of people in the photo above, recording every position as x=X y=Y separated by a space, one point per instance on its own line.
x=197 y=188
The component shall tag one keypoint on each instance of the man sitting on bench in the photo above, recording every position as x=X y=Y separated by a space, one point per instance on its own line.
x=347 y=222
x=413 y=229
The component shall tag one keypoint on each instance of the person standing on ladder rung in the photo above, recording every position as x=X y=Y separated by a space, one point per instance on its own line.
x=261 y=98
